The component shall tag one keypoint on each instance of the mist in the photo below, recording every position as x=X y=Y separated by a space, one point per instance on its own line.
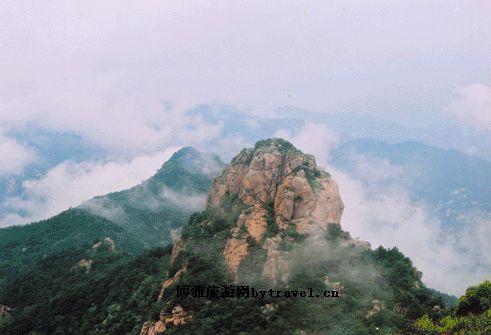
x=378 y=209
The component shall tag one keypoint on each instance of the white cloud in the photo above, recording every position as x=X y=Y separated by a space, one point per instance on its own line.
x=378 y=209
x=185 y=198
x=105 y=208
x=14 y=156
x=68 y=184
x=473 y=106
x=104 y=70
x=314 y=139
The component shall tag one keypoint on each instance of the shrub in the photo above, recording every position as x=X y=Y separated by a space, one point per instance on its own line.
x=476 y=299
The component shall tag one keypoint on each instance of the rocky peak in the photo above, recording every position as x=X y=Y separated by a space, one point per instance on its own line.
x=281 y=189
x=269 y=205
x=275 y=173
x=187 y=170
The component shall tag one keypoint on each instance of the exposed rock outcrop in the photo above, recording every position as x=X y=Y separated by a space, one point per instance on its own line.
x=171 y=281
x=85 y=264
x=377 y=306
x=178 y=316
x=270 y=196
x=269 y=308
x=279 y=183
x=107 y=242
x=176 y=249
x=333 y=285
x=355 y=242
x=276 y=266
x=400 y=309
x=418 y=274
x=153 y=328
x=235 y=250
x=4 y=310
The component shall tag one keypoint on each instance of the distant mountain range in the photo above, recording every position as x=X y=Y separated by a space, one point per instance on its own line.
x=237 y=129
x=450 y=182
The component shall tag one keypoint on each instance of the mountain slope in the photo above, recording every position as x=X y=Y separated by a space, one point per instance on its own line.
x=272 y=223
x=94 y=291
x=140 y=217
x=150 y=210
x=23 y=246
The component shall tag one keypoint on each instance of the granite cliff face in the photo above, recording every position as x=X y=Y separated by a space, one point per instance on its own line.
x=271 y=224
x=274 y=192
x=272 y=219
x=276 y=172
x=278 y=186
x=270 y=194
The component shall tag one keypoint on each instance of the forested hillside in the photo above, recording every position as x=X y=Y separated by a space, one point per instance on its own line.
x=138 y=218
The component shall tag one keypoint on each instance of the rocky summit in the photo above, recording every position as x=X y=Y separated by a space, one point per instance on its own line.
x=275 y=182
x=270 y=194
x=272 y=220
x=271 y=224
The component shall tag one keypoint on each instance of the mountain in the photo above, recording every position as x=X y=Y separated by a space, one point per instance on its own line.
x=51 y=148
x=152 y=209
x=23 y=246
x=451 y=182
x=272 y=224
x=270 y=233
x=94 y=290
x=141 y=217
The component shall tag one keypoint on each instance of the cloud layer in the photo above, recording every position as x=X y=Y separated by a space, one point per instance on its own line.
x=473 y=107
x=124 y=75
x=106 y=70
x=378 y=209
x=14 y=156
x=68 y=184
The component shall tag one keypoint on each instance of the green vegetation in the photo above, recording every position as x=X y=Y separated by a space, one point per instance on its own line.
x=214 y=221
x=272 y=227
x=471 y=315
x=187 y=169
x=448 y=300
x=311 y=174
x=145 y=211
x=120 y=292
x=335 y=233
x=292 y=233
x=365 y=275
x=24 y=246
x=115 y=296
x=136 y=219
x=280 y=143
x=464 y=325
x=477 y=299
x=250 y=154
x=51 y=291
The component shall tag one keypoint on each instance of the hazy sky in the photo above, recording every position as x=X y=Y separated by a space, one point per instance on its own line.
x=121 y=76
x=80 y=66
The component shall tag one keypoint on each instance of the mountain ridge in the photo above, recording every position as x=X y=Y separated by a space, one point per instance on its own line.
x=272 y=220
x=126 y=216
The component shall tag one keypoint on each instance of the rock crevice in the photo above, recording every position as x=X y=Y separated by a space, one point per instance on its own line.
x=303 y=196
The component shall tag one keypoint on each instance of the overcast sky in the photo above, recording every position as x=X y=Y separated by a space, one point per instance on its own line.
x=121 y=75
x=79 y=66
